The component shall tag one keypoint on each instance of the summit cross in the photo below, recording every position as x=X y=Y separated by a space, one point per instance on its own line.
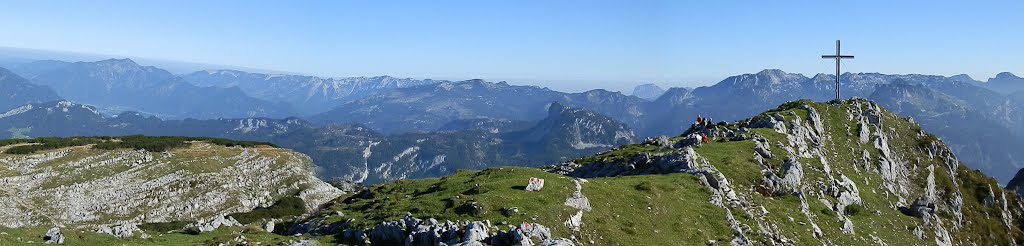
x=838 y=58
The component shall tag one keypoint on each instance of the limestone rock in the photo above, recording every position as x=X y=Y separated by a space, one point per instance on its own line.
x=774 y=122
x=762 y=147
x=270 y=225
x=119 y=231
x=922 y=208
x=847 y=226
x=469 y=243
x=304 y=243
x=475 y=231
x=678 y=161
x=53 y=236
x=556 y=242
x=787 y=184
x=848 y=194
x=215 y=222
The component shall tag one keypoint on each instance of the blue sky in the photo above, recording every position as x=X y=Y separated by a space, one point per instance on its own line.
x=568 y=45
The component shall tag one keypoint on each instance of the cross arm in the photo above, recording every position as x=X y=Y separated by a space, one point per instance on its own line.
x=834 y=57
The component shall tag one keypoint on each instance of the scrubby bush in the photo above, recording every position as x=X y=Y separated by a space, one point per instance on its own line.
x=165 y=226
x=826 y=212
x=926 y=140
x=852 y=209
x=6 y=142
x=154 y=144
x=49 y=143
x=645 y=186
x=287 y=206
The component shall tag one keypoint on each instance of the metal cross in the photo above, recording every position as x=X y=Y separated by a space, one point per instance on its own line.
x=838 y=57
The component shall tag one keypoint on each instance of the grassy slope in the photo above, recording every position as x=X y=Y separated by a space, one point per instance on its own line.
x=626 y=210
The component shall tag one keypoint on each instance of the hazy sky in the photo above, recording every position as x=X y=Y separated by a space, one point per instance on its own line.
x=569 y=45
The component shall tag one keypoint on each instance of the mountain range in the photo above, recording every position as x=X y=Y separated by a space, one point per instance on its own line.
x=985 y=127
x=983 y=122
x=308 y=94
x=126 y=86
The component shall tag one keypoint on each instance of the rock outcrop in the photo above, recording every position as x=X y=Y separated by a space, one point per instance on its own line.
x=413 y=231
x=53 y=236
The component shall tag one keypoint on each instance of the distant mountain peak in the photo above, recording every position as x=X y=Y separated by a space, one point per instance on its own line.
x=477 y=81
x=772 y=72
x=824 y=76
x=381 y=77
x=648 y=91
x=962 y=78
x=765 y=79
x=777 y=75
x=1006 y=75
x=112 y=61
x=226 y=72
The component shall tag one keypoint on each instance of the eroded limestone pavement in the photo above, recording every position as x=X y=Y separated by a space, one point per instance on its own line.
x=112 y=191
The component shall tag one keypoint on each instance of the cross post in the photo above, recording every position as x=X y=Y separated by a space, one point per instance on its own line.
x=838 y=57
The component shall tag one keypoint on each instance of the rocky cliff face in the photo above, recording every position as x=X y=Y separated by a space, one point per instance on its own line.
x=103 y=189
